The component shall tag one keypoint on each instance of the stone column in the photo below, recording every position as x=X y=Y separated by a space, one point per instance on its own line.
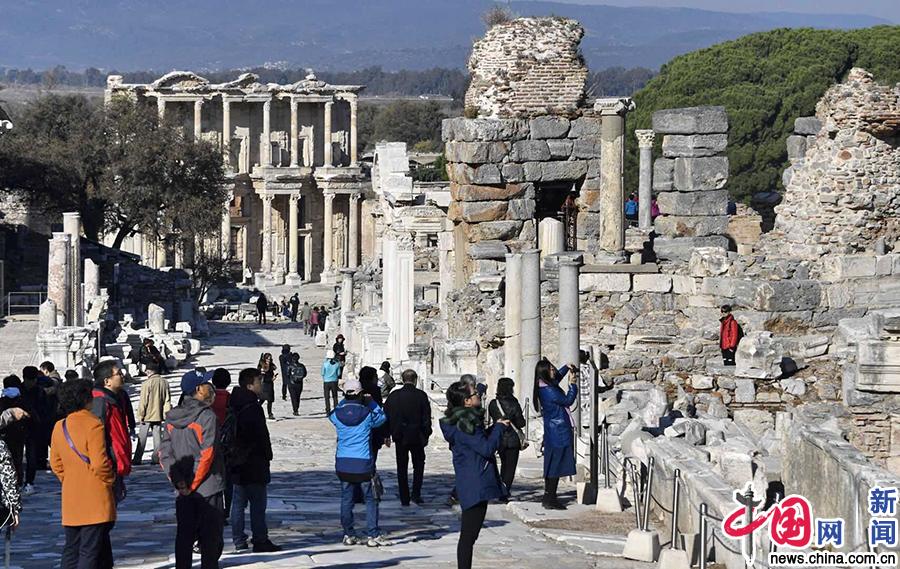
x=569 y=319
x=328 y=248
x=612 y=164
x=512 y=305
x=161 y=107
x=353 y=233
x=161 y=253
x=198 y=118
x=293 y=244
x=402 y=332
x=59 y=277
x=346 y=297
x=265 y=150
x=531 y=321
x=645 y=179
x=266 y=265
x=72 y=228
x=551 y=236
x=329 y=147
x=47 y=316
x=307 y=253
x=226 y=133
x=91 y=282
x=354 y=160
x=156 y=318
x=445 y=265
x=226 y=228
x=295 y=135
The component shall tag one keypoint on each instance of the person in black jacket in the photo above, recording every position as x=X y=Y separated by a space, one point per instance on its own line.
x=285 y=360
x=340 y=353
x=506 y=406
x=409 y=421
x=251 y=476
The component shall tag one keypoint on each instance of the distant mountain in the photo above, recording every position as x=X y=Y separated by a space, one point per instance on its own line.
x=344 y=34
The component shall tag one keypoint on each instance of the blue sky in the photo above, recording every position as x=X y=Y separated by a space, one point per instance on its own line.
x=888 y=9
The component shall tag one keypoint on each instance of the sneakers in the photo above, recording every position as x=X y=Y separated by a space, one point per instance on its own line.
x=271 y=417
x=379 y=541
x=28 y=490
x=265 y=547
x=296 y=414
x=351 y=540
x=241 y=548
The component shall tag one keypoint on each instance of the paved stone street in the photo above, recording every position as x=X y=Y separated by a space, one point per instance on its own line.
x=304 y=495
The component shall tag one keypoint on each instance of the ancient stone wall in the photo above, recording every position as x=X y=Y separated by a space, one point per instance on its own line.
x=843 y=195
x=526 y=67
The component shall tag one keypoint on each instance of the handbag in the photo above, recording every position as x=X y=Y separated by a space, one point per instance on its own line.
x=377 y=487
x=523 y=440
x=119 y=490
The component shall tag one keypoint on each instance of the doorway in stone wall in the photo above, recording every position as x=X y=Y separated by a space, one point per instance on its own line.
x=555 y=214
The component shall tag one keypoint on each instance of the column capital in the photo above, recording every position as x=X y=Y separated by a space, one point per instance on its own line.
x=294 y=197
x=267 y=197
x=645 y=137
x=614 y=106
x=356 y=196
x=329 y=195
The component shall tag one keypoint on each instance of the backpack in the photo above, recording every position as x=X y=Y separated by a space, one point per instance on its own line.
x=235 y=452
x=298 y=373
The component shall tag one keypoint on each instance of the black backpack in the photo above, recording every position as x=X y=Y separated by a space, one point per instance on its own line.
x=298 y=373
x=235 y=451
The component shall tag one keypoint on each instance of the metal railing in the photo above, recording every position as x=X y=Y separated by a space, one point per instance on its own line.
x=19 y=300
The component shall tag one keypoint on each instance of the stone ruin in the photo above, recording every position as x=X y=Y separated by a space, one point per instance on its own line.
x=535 y=259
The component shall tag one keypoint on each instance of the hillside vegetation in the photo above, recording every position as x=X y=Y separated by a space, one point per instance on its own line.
x=765 y=81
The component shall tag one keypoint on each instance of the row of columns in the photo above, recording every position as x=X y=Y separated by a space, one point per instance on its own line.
x=266 y=149
x=65 y=274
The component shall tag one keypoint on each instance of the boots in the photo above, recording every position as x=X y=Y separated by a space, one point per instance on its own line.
x=550 y=501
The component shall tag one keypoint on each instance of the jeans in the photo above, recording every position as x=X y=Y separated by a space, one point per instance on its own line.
x=418 y=460
x=200 y=519
x=347 y=491
x=87 y=547
x=146 y=428
x=256 y=495
x=509 y=459
x=331 y=390
x=296 y=390
x=32 y=449
x=470 y=526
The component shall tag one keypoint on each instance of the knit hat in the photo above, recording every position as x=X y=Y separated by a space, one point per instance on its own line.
x=352 y=386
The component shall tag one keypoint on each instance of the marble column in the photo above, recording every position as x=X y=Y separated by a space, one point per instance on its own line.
x=354 y=159
x=226 y=227
x=293 y=243
x=531 y=321
x=59 y=276
x=266 y=265
x=328 y=247
x=353 y=233
x=645 y=179
x=307 y=252
x=72 y=228
x=47 y=315
x=329 y=147
x=295 y=135
x=612 y=167
x=569 y=313
x=402 y=332
x=162 y=257
x=512 y=304
x=346 y=298
x=91 y=282
x=226 y=133
x=445 y=266
x=265 y=149
x=160 y=107
x=198 y=118
x=551 y=236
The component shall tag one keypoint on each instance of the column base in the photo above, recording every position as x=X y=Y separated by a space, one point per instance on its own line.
x=329 y=277
x=293 y=279
x=609 y=258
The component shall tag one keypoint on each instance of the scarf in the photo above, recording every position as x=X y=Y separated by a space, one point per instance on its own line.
x=466 y=419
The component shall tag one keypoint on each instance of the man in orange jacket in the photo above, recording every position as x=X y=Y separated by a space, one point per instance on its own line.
x=729 y=335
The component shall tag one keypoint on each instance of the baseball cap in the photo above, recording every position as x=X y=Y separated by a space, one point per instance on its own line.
x=352 y=386
x=191 y=380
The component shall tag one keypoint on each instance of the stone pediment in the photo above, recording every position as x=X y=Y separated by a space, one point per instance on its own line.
x=244 y=81
x=181 y=81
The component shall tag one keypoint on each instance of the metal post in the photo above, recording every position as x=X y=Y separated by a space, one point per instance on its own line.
x=606 y=468
x=527 y=413
x=629 y=464
x=676 y=489
x=594 y=446
x=649 y=494
x=704 y=529
x=748 y=519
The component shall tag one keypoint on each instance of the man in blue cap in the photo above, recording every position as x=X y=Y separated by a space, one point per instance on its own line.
x=190 y=456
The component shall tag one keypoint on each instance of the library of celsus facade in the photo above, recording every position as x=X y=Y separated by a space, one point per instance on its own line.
x=290 y=156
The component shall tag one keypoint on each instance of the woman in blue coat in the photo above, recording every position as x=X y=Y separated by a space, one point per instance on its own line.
x=559 y=442
x=477 y=479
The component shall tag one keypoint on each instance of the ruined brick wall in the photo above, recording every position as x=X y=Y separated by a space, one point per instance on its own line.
x=844 y=193
x=529 y=66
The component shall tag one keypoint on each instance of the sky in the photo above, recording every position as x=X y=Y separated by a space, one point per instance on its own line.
x=887 y=9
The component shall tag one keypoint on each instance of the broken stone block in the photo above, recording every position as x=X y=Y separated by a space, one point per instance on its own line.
x=691 y=225
x=584 y=126
x=781 y=296
x=691 y=120
x=520 y=209
x=681 y=248
x=663 y=175
x=488 y=250
x=693 y=431
x=796 y=147
x=701 y=174
x=701 y=382
x=652 y=283
x=529 y=151
x=807 y=125
x=744 y=391
x=156 y=317
x=586 y=147
x=560 y=149
x=757 y=420
x=758 y=356
x=693 y=146
x=709 y=262
x=549 y=127
x=606 y=282
x=487 y=174
x=563 y=170
x=657 y=406
x=736 y=466
x=476 y=152
x=501 y=230
x=512 y=173
x=793 y=386
x=693 y=203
